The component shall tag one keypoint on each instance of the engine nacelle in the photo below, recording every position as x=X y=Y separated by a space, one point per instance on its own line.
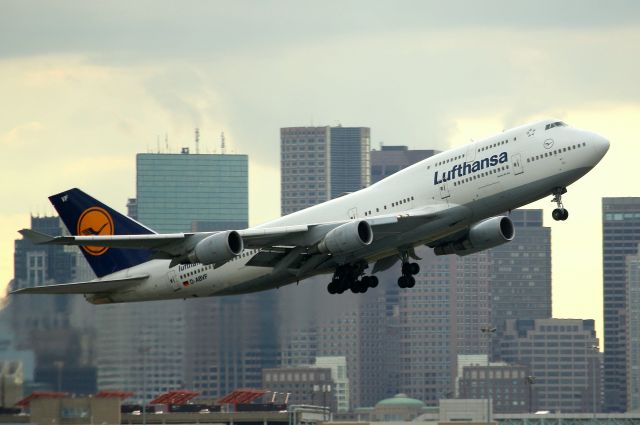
x=346 y=237
x=484 y=235
x=217 y=248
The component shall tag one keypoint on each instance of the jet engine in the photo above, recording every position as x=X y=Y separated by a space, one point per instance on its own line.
x=484 y=235
x=346 y=237
x=217 y=248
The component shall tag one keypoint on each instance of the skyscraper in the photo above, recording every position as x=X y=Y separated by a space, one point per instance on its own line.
x=211 y=345
x=633 y=331
x=521 y=271
x=180 y=192
x=320 y=163
x=391 y=159
x=440 y=318
x=52 y=326
x=621 y=235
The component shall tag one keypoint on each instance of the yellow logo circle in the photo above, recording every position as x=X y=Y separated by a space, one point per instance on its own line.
x=95 y=221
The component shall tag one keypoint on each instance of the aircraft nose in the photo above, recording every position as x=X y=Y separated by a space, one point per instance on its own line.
x=601 y=144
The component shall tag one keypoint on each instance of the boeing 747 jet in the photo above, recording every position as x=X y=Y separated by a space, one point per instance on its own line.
x=450 y=202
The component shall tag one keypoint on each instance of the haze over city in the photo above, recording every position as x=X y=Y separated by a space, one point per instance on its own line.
x=87 y=86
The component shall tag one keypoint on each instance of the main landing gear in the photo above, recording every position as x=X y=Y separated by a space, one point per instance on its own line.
x=560 y=213
x=348 y=276
x=408 y=271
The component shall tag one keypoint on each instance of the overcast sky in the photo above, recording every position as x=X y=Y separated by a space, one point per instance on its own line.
x=86 y=85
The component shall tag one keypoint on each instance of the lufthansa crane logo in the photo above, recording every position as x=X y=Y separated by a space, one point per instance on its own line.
x=95 y=221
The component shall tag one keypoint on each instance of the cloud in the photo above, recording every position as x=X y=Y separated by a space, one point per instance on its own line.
x=17 y=133
x=155 y=30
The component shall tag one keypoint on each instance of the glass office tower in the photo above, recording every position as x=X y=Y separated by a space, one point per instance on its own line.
x=181 y=192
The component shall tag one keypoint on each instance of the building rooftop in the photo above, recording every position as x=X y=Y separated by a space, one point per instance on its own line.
x=400 y=400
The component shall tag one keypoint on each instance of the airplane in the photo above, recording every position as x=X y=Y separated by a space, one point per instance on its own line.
x=453 y=202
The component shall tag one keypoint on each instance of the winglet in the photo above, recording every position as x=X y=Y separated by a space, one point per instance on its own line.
x=36 y=237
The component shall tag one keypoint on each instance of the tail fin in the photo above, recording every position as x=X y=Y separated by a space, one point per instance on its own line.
x=86 y=216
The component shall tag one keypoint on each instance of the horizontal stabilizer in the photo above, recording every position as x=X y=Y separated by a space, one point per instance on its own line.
x=90 y=287
x=36 y=237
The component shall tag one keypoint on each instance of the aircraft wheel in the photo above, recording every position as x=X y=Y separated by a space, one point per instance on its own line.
x=411 y=282
x=414 y=268
x=373 y=281
x=402 y=281
x=560 y=214
x=332 y=287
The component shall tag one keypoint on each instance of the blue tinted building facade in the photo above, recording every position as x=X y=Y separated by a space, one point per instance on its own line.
x=211 y=345
x=184 y=192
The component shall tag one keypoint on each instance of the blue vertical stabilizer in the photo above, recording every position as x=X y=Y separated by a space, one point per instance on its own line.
x=86 y=216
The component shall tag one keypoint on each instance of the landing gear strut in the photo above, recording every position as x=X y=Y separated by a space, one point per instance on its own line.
x=348 y=276
x=560 y=213
x=408 y=271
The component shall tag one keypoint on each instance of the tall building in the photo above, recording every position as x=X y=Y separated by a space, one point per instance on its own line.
x=633 y=332
x=350 y=155
x=321 y=163
x=521 y=273
x=384 y=163
x=621 y=235
x=211 y=345
x=561 y=357
x=52 y=326
x=177 y=192
x=391 y=159
x=440 y=318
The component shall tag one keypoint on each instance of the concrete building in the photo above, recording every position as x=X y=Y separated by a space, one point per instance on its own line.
x=505 y=385
x=304 y=385
x=521 y=271
x=633 y=327
x=68 y=410
x=320 y=163
x=621 y=235
x=212 y=345
x=560 y=356
x=338 y=366
x=11 y=383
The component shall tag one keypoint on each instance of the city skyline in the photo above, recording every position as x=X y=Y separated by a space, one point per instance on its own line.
x=89 y=89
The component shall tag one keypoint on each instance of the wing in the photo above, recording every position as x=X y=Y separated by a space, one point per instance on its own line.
x=273 y=243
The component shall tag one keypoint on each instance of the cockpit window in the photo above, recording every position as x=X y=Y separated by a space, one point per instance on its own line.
x=555 y=124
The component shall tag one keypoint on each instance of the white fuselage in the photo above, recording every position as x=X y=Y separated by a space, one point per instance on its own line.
x=476 y=181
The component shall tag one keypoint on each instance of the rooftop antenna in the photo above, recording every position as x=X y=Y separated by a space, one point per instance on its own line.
x=197 y=140
x=222 y=146
x=166 y=141
x=158 y=144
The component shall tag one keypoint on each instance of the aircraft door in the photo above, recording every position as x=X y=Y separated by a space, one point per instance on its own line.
x=470 y=156
x=444 y=191
x=516 y=164
x=174 y=283
x=353 y=213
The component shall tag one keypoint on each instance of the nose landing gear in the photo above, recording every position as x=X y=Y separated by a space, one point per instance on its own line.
x=560 y=213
